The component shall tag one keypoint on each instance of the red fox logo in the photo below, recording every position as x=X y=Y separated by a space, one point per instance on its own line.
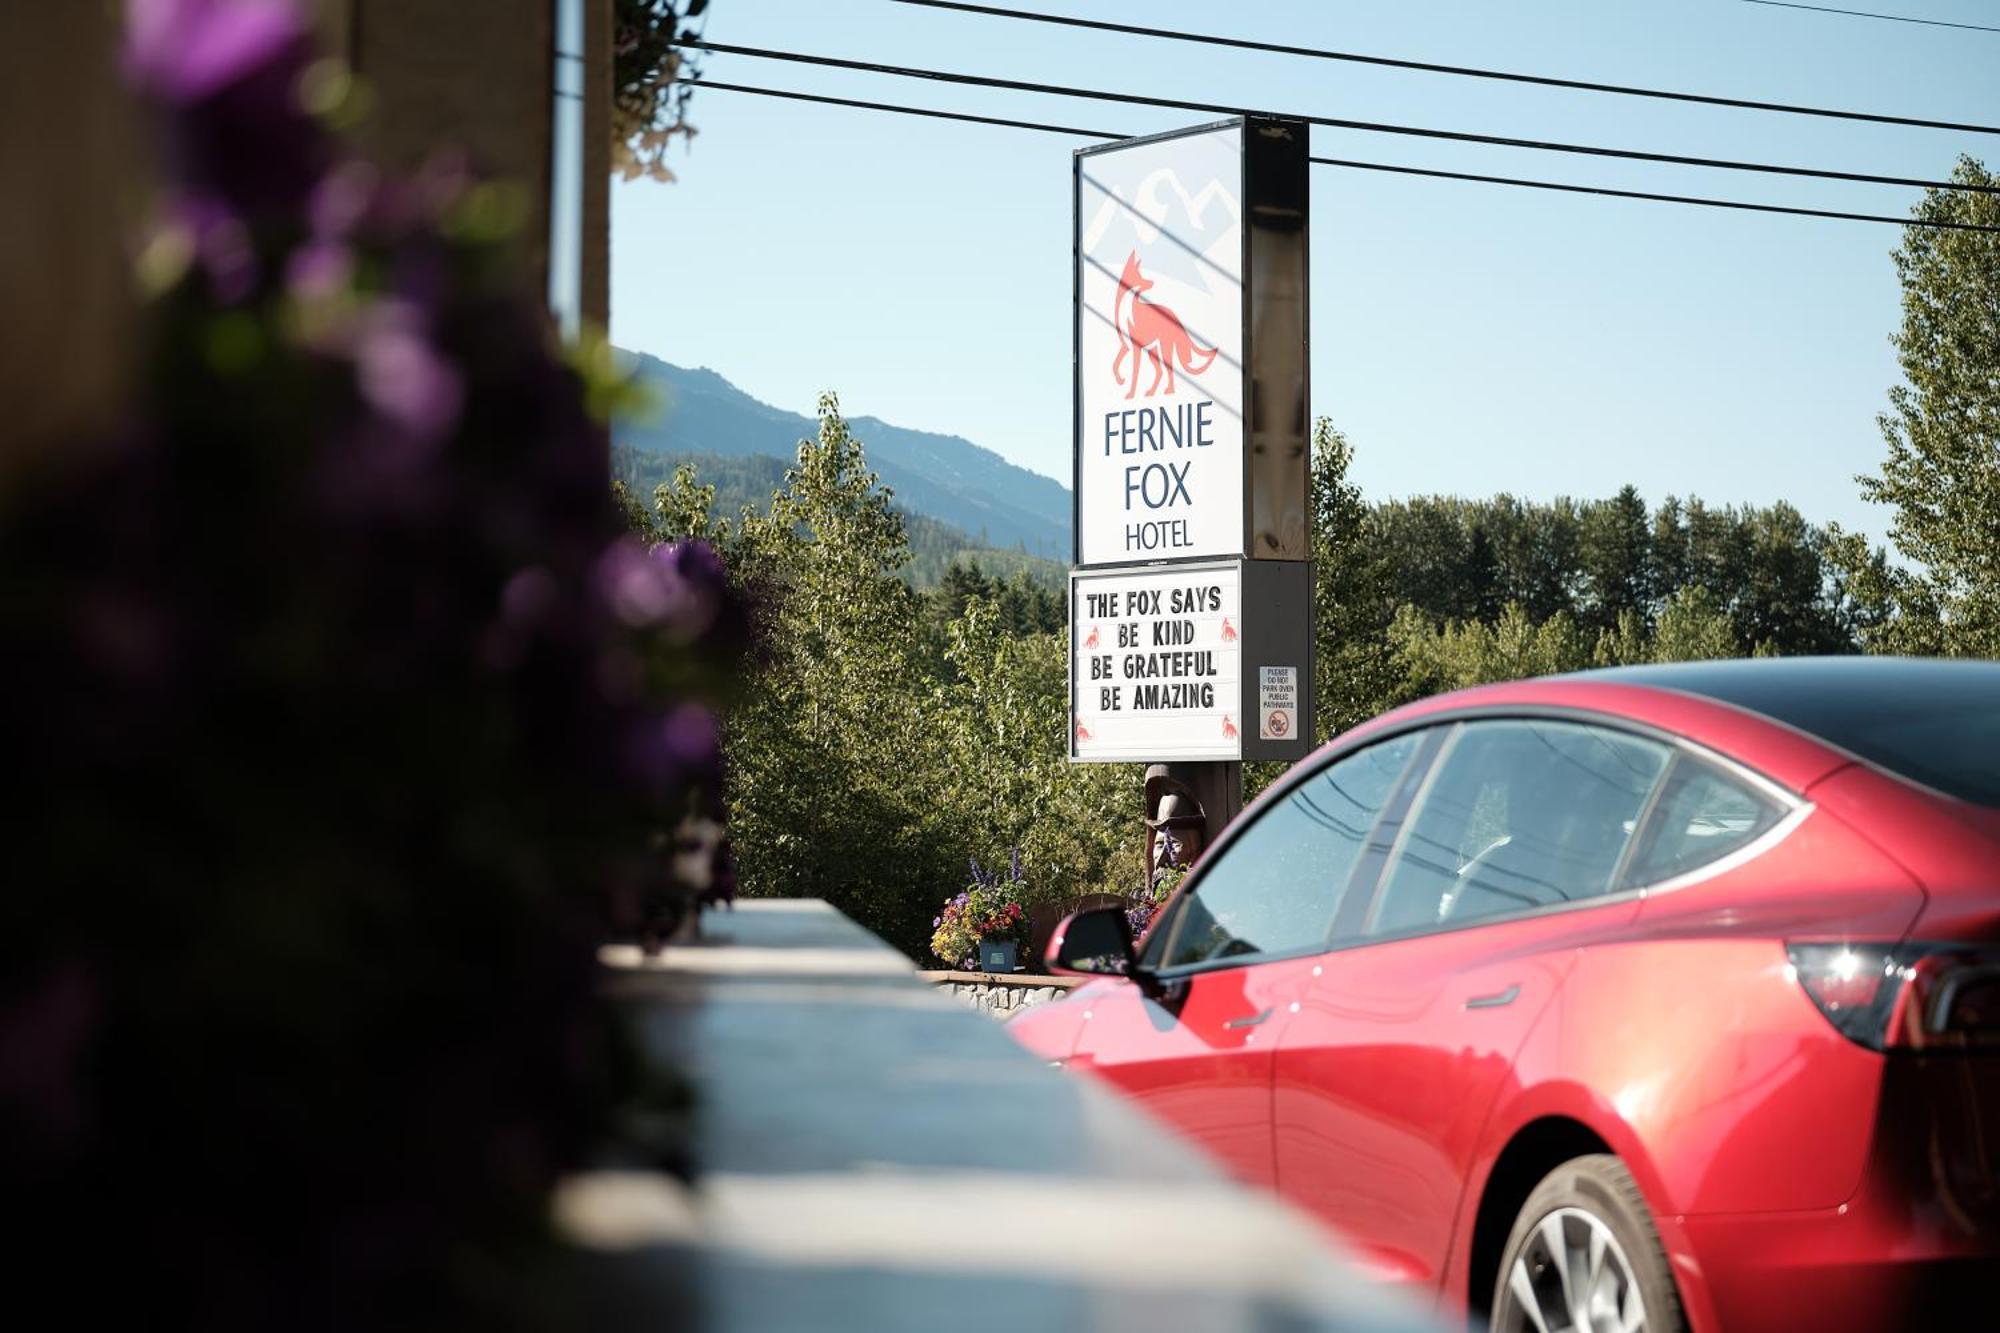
x=1154 y=331
x=1082 y=732
x=1228 y=728
x=1091 y=642
x=1228 y=631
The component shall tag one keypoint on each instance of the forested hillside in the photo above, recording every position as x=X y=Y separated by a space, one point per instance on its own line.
x=749 y=482
x=995 y=503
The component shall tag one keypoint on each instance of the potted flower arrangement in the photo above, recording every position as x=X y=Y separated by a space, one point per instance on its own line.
x=985 y=928
x=1146 y=904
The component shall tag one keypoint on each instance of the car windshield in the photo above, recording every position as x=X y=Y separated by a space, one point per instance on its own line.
x=1934 y=722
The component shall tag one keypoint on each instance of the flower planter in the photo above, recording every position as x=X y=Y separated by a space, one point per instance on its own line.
x=998 y=955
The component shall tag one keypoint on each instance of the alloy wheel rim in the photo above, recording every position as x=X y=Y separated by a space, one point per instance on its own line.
x=1573 y=1277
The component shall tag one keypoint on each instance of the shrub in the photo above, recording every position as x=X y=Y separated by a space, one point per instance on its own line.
x=349 y=717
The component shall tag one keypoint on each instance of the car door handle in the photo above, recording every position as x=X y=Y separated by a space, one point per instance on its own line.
x=1496 y=1000
x=1250 y=1021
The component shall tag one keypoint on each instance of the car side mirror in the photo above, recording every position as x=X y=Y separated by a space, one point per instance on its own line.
x=1097 y=943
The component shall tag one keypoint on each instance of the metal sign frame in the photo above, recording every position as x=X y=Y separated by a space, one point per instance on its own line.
x=1274 y=599
x=1263 y=187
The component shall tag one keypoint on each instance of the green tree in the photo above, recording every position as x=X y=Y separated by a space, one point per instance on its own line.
x=830 y=745
x=1942 y=472
x=1462 y=653
x=1614 y=549
x=1354 y=670
x=1692 y=628
x=1669 y=548
x=1781 y=590
x=1888 y=608
x=886 y=736
x=1006 y=782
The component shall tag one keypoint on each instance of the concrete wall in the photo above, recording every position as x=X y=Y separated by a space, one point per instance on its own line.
x=481 y=75
x=71 y=184
x=999 y=995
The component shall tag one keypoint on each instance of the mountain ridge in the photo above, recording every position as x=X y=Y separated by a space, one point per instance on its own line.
x=945 y=477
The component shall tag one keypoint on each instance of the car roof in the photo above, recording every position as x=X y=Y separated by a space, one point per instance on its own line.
x=1935 y=721
x=1788 y=718
x=1798 y=690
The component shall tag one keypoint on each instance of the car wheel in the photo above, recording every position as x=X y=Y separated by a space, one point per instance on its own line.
x=1583 y=1257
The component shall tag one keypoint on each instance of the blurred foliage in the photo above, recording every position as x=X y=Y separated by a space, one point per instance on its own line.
x=355 y=719
x=939 y=552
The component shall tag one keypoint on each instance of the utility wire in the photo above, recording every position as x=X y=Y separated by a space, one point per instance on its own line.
x=1463 y=71
x=934 y=114
x=1851 y=13
x=1366 y=126
x=708 y=83
x=1658 y=198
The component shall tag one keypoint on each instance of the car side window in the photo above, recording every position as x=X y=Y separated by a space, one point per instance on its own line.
x=1516 y=815
x=1276 y=887
x=1703 y=814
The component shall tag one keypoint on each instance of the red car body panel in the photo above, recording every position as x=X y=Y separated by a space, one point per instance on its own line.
x=1207 y=1070
x=1797 y=1179
x=1385 y=1079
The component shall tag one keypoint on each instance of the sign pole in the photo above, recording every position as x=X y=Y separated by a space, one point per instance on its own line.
x=1218 y=788
x=1190 y=599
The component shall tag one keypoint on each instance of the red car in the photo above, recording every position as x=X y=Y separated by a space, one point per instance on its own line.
x=1661 y=997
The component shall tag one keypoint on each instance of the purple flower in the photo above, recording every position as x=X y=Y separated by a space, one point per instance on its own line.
x=227 y=72
x=698 y=563
x=653 y=589
x=692 y=735
x=220 y=244
x=342 y=199
x=186 y=51
x=404 y=378
x=628 y=583
x=47 y=1038
x=318 y=270
x=528 y=596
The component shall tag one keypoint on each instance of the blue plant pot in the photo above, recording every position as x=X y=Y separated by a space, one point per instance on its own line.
x=998 y=955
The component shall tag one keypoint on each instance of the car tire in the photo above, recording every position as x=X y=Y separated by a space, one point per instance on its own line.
x=1585 y=1252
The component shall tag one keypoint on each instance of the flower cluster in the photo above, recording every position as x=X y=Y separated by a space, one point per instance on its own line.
x=991 y=908
x=1146 y=904
x=354 y=721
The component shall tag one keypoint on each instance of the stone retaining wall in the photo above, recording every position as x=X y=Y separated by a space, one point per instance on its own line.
x=1000 y=995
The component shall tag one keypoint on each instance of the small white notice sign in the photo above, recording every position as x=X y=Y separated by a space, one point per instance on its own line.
x=1277 y=703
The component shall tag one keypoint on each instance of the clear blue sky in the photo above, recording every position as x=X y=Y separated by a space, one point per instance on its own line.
x=1469 y=338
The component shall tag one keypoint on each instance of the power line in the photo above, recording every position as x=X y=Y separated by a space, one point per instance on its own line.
x=1851 y=13
x=931 y=113
x=1463 y=71
x=1365 y=126
x=1657 y=198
